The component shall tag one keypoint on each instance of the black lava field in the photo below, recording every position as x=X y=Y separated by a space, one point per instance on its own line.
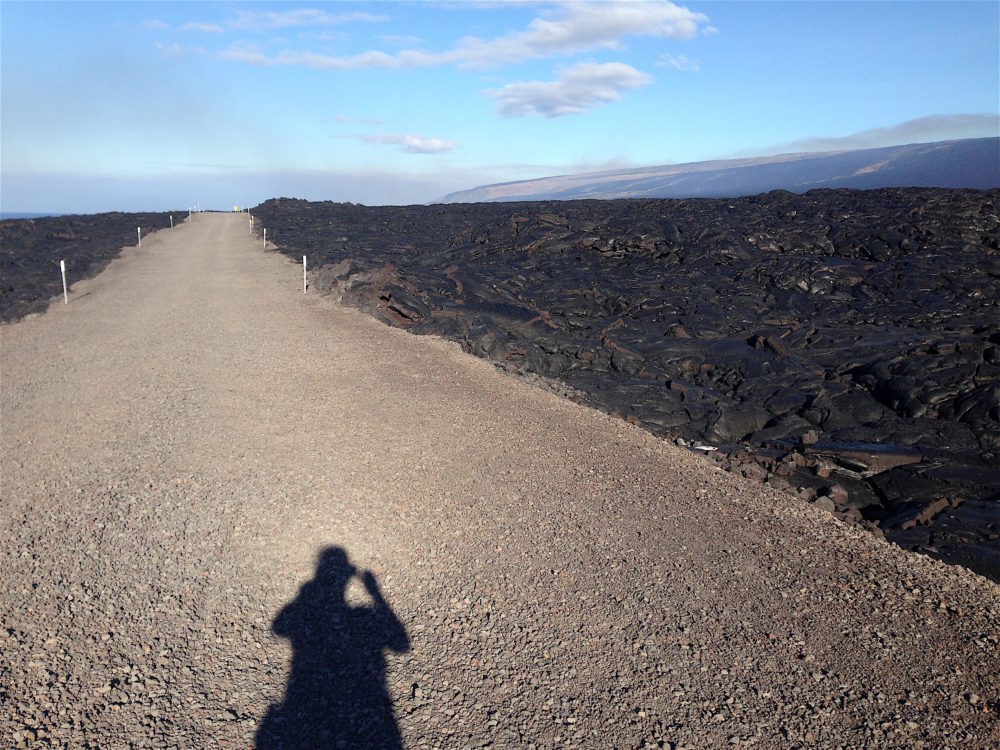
x=30 y=251
x=843 y=345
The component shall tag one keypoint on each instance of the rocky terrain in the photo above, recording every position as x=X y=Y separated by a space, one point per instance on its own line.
x=235 y=515
x=30 y=251
x=842 y=345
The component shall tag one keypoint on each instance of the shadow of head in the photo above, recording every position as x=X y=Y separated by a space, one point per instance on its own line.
x=336 y=696
x=333 y=569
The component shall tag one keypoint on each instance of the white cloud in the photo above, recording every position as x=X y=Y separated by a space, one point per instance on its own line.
x=410 y=143
x=255 y=20
x=579 y=88
x=681 y=62
x=251 y=54
x=577 y=27
x=259 y=21
x=170 y=50
x=244 y=53
x=399 y=40
x=208 y=28
x=566 y=29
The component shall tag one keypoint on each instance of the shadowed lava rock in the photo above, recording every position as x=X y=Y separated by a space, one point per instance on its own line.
x=30 y=251
x=841 y=344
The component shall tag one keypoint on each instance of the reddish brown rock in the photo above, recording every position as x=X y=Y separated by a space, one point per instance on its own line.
x=838 y=494
x=928 y=514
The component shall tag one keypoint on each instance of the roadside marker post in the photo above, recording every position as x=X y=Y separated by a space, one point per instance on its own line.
x=303 y=274
x=171 y=221
x=265 y=238
x=138 y=231
x=62 y=268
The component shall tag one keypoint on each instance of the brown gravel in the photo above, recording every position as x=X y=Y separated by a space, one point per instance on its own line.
x=182 y=440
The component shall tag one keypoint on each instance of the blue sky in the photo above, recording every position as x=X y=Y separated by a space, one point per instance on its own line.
x=155 y=106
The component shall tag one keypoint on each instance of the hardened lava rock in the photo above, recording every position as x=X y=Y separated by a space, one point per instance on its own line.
x=842 y=344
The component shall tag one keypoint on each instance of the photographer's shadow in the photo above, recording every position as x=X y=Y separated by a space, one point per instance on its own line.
x=336 y=695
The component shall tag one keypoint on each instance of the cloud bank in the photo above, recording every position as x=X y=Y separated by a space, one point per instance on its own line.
x=566 y=29
x=67 y=192
x=557 y=30
x=921 y=130
x=581 y=27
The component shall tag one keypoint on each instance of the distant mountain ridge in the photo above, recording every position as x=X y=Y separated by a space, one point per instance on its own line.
x=968 y=163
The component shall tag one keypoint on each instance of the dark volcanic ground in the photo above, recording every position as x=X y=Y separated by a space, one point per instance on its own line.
x=842 y=344
x=30 y=251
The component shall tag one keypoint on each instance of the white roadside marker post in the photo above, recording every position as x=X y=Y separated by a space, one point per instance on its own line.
x=265 y=238
x=62 y=267
x=138 y=231
x=303 y=274
x=251 y=225
x=171 y=221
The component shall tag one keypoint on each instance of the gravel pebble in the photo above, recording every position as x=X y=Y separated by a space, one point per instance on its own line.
x=185 y=438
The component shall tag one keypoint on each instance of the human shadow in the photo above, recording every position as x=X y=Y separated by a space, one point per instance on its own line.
x=336 y=695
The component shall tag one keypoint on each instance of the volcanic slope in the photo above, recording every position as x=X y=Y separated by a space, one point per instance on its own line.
x=186 y=439
x=967 y=163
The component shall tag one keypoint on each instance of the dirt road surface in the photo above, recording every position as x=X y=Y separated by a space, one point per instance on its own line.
x=237 y=515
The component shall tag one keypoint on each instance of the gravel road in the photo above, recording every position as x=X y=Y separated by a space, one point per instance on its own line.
x=237 y=515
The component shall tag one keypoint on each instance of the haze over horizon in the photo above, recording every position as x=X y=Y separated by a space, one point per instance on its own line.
x=156 y=106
